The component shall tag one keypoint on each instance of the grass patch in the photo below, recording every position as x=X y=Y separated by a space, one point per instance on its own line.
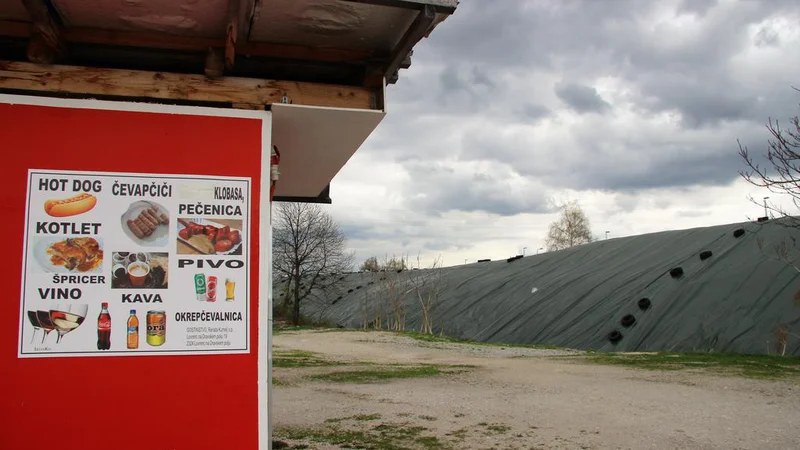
x=450 y=340
x=378 y=374
x=386 y=436
x=359 y=417
x=390 y=372
x=750 y=366
x=299 y=358
x=281 y=329
x=367 y=417
x=278 y=329
x=459 y=434
x=495 y=428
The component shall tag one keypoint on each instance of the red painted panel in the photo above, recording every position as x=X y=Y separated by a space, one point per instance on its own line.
x=122 y=402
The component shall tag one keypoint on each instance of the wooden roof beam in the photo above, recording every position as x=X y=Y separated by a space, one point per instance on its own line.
x=407 y=4
x=418 y=29
x=232 y=32
x=243 y=92
x=46 y=43
x=193 y=44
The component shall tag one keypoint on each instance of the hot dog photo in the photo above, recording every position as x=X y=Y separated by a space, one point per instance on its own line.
x=70 y=206
x=201 y=236
x=146 y=223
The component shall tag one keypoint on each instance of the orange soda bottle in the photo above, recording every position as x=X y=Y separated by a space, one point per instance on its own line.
x=133 y=330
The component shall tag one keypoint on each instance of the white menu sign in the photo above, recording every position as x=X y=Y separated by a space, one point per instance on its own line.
x=135 y=264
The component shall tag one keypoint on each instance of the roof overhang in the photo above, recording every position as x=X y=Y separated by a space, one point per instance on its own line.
x=350 y=42
x=321 y=65
x=315 y=143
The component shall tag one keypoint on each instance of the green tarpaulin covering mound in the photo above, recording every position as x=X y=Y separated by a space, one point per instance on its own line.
x=651 y=292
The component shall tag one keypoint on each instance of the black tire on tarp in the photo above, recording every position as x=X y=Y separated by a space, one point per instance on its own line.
x=627 y=320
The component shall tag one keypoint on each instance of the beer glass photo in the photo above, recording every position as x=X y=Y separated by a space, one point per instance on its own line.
x=230 y=286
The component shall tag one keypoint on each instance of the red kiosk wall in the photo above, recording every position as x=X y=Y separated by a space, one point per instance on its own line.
x=123 y=402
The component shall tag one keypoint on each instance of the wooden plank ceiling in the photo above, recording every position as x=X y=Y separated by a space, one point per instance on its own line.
x=344 y=42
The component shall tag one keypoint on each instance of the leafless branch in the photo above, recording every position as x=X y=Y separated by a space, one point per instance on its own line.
x=308 y=248
x=783 y=155
x=570 y=229
x=427 y=286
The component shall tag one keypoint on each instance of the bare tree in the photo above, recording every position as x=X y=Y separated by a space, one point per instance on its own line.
x=785 y=250
x=397 y=302
x=395 y=305
x=308 y=248
x=570 y=229
x=394 y=264
x=428 y=287
x=783 y=154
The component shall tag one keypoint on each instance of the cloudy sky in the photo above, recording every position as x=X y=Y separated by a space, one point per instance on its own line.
x=631 y=107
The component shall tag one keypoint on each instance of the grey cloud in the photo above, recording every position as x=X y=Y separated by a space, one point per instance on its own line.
x=554 y=35
x=480 y=76
x=358 y=231
x=518 y=33
x=451 y=80
x=481 y=86
x=699 y=101
x=699 y=7
x=691 y=78
x=437 y=188
x=767 y=37
x=581 y=98
x=617 y=160
x=439 y=245
x=692 y=213
x=535 y=112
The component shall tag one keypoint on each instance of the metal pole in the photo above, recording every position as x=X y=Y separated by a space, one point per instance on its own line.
x=766 y=214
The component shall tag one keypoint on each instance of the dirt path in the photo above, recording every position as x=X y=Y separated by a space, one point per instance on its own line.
x=524 y=398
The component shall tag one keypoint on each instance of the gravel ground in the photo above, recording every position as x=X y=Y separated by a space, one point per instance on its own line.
x=518 y=398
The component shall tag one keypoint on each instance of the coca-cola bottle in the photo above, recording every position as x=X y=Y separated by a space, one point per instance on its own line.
x=104 y=329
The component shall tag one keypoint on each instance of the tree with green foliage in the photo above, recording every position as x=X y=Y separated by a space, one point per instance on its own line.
x=370 y=265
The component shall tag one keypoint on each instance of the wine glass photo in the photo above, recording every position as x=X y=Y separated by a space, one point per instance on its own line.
x=36 y=327
x=43 y=317
x=67 y=317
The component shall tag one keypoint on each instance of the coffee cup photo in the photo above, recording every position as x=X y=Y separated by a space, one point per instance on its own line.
x=140 y=270
x=119 y=270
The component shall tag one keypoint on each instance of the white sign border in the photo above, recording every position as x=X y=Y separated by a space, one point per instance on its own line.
x=148 y=352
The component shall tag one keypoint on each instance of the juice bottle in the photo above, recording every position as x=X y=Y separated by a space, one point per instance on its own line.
x=133 y=330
